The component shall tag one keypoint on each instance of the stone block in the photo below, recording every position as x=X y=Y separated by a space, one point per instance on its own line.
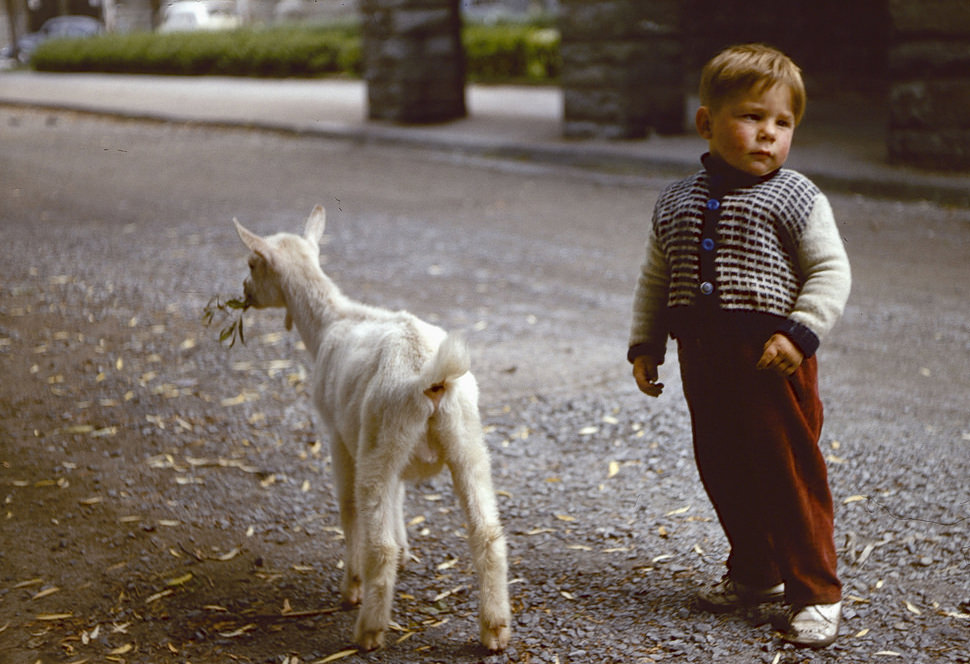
x=413 y=62
x=930 y=17
x=929 y=58
x=930 y=104
x=945 y=150
x=619 y=18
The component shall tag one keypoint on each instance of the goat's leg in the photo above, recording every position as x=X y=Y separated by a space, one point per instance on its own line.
x=376 y=498
x=400 y=530
x=471 y=474
x=345 y=478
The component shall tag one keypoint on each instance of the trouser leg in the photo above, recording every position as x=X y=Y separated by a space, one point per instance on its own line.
x=756 y=445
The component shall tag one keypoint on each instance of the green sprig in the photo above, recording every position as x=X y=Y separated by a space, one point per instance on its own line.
x=225 y=310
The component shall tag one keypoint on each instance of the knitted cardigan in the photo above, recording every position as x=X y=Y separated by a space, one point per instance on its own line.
x=733 y=254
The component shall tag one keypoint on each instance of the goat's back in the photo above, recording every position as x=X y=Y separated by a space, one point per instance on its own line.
x=373 y=371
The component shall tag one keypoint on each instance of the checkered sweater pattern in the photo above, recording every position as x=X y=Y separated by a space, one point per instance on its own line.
x=771 y=252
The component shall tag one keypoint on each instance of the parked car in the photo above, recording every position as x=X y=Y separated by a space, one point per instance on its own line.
x=199 y=15
x=59 y=27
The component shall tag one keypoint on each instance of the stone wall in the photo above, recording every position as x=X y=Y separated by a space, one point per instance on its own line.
x=929 y=69
x=839 y=45
x=622 y=67
x=413 y=60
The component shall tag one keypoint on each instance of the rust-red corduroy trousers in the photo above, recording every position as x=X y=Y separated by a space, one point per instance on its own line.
x=756 y=445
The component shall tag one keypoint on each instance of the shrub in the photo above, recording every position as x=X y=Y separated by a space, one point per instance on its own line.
x=511 y=52
x=494 y=53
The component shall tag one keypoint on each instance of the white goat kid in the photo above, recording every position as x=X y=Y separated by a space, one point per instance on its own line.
x=399 y=402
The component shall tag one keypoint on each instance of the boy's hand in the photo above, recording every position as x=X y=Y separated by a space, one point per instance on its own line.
x=645 y=373
x=781 y=355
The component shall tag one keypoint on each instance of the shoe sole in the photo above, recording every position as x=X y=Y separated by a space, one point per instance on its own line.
x=816 y=645
x=713 y=607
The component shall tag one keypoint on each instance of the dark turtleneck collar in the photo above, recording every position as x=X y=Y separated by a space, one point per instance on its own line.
x=724 y=178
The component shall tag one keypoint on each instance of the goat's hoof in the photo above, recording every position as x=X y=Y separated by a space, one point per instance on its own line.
x=370 y=639
x=496 y=637
x=352 y=594
x=403 y=558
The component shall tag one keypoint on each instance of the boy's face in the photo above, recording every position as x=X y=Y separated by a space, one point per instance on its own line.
x=752 y=131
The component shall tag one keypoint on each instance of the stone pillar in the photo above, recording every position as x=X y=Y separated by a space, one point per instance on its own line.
x=929 y=84
x=622 y=67
x=414 y=63
x=133 y=16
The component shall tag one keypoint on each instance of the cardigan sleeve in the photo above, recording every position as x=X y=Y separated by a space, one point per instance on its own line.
x=649 y=330
x=825 y=268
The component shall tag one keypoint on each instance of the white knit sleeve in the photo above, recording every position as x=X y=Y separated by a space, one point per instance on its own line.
x=825 y=268
x=650 y=300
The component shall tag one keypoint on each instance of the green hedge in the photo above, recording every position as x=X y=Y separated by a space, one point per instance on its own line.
x=251 y=52
x=498 y=53
x=511 y=53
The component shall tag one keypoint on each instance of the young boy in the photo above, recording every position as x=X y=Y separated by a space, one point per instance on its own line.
x=745 y=268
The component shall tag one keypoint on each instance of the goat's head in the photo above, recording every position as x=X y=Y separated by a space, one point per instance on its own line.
x=271 y=256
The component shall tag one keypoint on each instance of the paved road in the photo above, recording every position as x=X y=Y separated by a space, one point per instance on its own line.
x=134 y=446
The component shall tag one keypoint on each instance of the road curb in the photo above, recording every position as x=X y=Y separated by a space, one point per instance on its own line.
x=895 y=185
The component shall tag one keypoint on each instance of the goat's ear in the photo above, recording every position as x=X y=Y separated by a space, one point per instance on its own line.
x=256 y=244
x=315 y=225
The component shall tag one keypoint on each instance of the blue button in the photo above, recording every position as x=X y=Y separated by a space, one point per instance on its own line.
x=707 y=288
x=707 y=244
x=713 y=204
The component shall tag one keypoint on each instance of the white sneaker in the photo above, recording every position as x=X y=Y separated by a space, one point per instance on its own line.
x=815 y=626
x=727 y=595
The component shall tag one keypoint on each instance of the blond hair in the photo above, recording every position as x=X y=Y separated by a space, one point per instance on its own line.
x=751 y=67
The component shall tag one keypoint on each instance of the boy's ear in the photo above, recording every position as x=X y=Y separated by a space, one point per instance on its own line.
x=703 y=122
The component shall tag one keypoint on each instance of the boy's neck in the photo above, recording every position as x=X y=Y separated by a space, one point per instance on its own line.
x=724 y=177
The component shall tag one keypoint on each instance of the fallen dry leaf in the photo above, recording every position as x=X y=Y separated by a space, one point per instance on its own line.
x=911 y=608
x=448 y=593
x=229 y=556
x=158 y=596
x=179 y=580
x=448 y=564
x=238 y=632
x=46 y=592
x=334 y=657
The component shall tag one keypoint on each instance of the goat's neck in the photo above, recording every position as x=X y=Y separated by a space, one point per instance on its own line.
x=313 y=303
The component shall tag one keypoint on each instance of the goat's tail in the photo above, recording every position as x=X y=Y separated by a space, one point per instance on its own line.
x=450 y=361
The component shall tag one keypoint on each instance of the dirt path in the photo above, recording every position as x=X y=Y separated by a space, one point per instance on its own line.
x=166 y=499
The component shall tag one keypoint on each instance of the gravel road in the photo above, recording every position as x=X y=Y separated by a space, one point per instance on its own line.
x=167 y=499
